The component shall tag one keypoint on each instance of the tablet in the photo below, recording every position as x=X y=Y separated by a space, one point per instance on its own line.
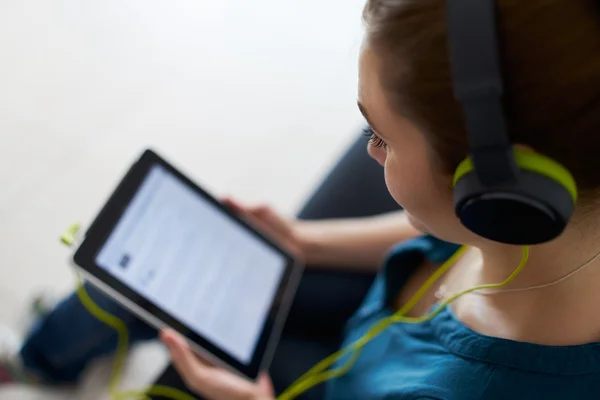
x=176 y=257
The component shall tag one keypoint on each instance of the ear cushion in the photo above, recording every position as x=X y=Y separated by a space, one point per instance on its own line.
x=533 y=162
x=534 y=210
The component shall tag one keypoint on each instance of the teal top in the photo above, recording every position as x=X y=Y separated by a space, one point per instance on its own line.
x=443 y=359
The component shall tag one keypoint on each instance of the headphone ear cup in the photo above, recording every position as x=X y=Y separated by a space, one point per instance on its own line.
x=535 y=209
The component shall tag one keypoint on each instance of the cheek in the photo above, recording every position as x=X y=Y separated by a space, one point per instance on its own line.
x=425 y=197
x=407 y=182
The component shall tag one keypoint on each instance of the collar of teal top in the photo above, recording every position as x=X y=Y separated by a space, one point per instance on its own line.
x=463 y=341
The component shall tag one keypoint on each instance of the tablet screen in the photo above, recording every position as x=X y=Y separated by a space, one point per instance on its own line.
x=195 y=262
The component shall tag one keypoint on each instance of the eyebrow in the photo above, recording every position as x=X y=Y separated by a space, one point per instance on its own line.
x=364 y=113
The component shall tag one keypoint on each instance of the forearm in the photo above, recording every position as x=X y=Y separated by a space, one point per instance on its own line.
x=358 y=243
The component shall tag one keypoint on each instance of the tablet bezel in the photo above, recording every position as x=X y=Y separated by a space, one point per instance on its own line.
x=106 y=220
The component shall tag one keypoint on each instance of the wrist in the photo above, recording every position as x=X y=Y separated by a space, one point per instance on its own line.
x=305 y=238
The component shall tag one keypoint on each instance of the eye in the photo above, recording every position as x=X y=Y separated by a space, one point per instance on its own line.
x=374 y=140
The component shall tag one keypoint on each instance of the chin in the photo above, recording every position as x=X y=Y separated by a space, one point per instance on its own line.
x=417 y=224
x=448 y=234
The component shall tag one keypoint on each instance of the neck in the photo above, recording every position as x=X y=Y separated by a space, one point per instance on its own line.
x=547 y=262
x=546 y=315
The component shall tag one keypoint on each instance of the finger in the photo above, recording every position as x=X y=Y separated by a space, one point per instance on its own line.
x=249 y=215
x=274 y=219
x=208 y=381
x=267 y=220
x=256 y=211
x=259 y=210
x=191 y=368
x=239 y=208
x=234 y=205
x=265 y=384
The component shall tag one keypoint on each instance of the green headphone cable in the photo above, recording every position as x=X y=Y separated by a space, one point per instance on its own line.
x=121 y=354
x=316 y=375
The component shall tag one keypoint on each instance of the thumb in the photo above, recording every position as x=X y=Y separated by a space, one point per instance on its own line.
x=184 y=359
x=265 y=384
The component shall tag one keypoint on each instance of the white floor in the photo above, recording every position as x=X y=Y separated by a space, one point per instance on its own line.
x=251 y=98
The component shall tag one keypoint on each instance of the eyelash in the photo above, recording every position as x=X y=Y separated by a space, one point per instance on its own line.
x=374 y=140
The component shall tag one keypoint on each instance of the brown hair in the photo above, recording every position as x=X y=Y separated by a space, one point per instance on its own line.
x=550 y=51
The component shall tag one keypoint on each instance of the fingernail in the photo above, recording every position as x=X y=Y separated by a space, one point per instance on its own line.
x=173 y=339
x=167 y=337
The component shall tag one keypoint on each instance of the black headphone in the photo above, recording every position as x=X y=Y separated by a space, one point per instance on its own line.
x=502 y=193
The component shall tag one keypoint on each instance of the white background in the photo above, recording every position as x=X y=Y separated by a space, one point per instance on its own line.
x=250 y=97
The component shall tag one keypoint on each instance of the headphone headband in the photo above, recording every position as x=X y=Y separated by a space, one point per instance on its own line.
x=478 y=86
x=500 y=193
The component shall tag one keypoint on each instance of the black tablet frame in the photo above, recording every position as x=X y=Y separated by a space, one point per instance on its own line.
x=110 y=214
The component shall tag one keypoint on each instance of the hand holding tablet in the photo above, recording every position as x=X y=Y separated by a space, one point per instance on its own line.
x=178 y=258
x=212 y=382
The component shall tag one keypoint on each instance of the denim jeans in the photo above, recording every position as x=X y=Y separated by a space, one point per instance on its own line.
x=63 y=343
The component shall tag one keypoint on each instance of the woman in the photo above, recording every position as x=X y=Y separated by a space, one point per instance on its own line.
x=539 y=343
